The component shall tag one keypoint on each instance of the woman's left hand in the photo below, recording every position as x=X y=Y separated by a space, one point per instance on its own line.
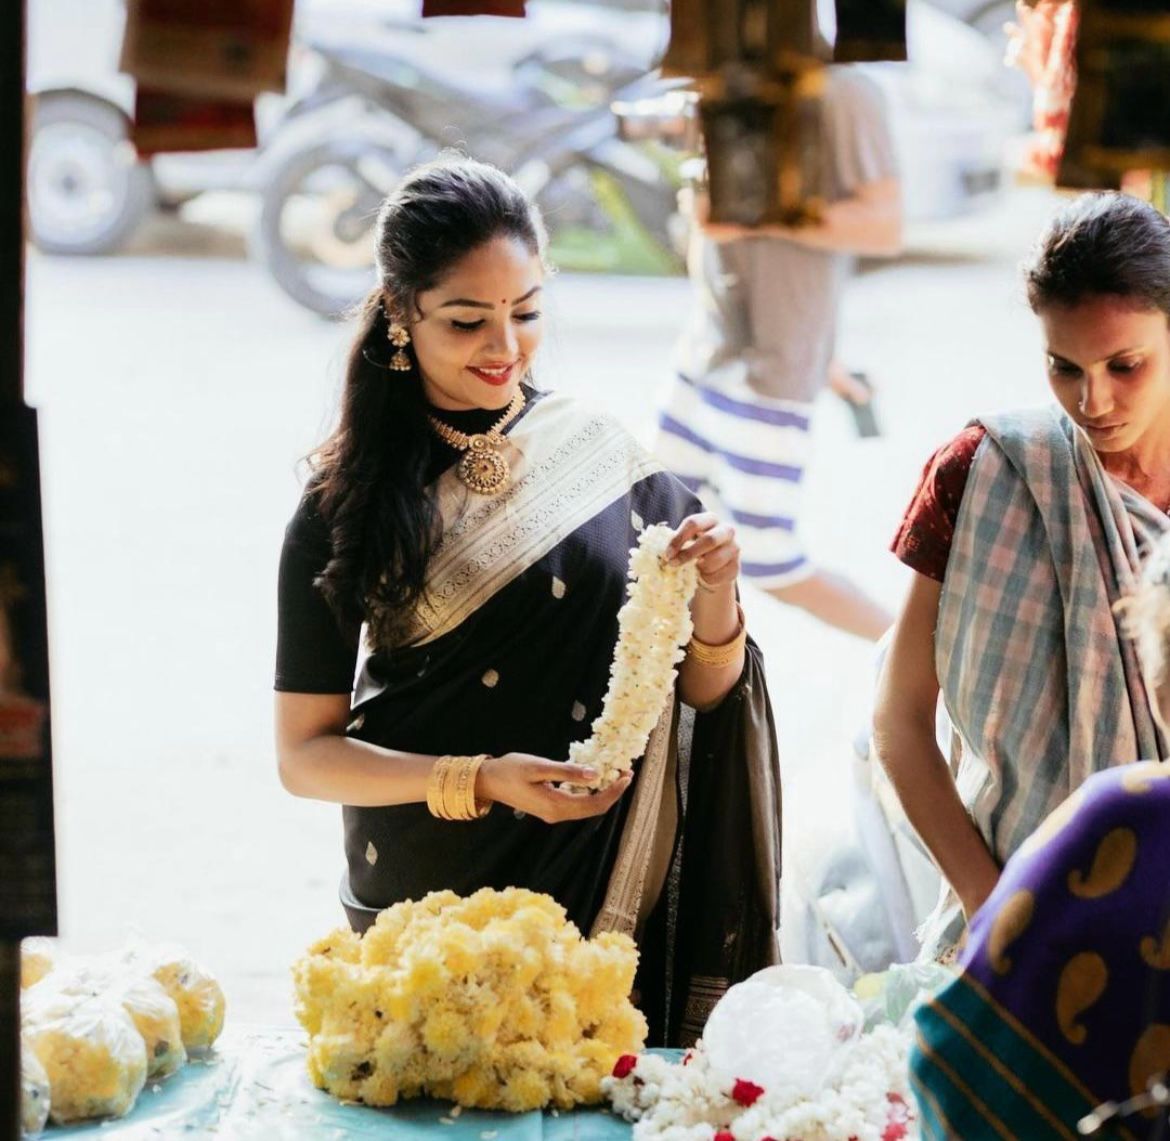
x=710 y=544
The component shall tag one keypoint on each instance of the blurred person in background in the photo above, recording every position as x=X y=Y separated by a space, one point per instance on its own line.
x=757 y=350
x=1025 y=531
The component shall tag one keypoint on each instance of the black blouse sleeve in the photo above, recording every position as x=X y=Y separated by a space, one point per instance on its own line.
x=313 y=655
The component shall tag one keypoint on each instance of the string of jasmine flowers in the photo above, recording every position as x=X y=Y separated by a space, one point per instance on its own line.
x=654 y=626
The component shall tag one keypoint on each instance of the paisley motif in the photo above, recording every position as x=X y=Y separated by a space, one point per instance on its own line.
x=1082 y=983
x=1139 y=778
x=1008 y=925
x=1156 y=952
x=1112 y=863
x=1150 y=1056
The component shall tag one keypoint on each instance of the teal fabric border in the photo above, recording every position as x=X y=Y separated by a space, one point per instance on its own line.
x=967 y=1083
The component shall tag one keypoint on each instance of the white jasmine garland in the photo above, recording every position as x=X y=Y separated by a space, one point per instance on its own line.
x=868 y=1099
x=654 y=627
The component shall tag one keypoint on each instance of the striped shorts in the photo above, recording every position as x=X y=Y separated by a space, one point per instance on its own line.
x=744 y=456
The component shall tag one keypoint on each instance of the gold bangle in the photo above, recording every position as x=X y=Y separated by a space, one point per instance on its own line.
x=459 y=795
x=723 y=655
x=475 y=809
x=451 y=789
x=448 y=796
x=435 y=787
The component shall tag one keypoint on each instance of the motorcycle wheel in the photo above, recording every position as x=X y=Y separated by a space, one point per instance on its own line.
x=316 y=226
x=87 y=190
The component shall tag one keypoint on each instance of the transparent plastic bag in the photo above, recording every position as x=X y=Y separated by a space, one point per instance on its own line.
x=38 y=957
x=34 y=1092
x=93 y=1054
x=784 y=1028
x=891 y=996
x=156 y=1017
x=194 y=991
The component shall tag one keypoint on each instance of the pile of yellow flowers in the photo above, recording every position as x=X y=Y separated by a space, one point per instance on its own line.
x=494 y=1002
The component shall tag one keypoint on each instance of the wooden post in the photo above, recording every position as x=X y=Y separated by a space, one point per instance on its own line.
x=28 y=896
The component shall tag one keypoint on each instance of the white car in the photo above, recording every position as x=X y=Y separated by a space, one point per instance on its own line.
x=87 y=192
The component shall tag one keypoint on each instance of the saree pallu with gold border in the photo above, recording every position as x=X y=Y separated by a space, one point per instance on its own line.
x=510 y=652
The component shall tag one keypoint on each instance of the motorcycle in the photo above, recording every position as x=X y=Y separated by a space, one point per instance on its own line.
x=375 y=110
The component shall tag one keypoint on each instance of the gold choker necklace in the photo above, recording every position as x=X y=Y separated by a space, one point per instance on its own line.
x=482 y=468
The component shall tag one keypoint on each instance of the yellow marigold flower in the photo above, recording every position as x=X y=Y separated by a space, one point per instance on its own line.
x=426 y=975
x=476 y=1087
x=396 y=1044
x=381 y=1088
x=562 y=1026
x=525 y=1090
x=446 y=1034
x=621 y=1025
x=525 y=1020
x=485 y=1000
x=462 y=949
x=342 y=943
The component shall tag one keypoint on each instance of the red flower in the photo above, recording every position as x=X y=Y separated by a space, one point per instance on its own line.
x=897 y=1124
x=688 y=1057
x=624 y=1066
x=746 y=1093
x=724 y=1135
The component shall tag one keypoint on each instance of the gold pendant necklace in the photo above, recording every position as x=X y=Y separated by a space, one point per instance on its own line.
x=482 y=468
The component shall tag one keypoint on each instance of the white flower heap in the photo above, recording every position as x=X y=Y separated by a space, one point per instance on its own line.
x=494 y=1002
x=783 y=1057
x=654 y=627
x=868 y=1101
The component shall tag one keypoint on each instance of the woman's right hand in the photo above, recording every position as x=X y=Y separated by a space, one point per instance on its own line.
x=528 y=784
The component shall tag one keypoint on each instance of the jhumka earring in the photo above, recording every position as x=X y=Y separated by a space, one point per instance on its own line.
x=399 y=338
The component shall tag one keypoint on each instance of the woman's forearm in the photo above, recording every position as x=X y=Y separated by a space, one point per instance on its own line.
x=716 y=620
x=343 y=770
x=930 y=799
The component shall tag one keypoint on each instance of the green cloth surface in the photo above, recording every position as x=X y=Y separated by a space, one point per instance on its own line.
x=254 y=1087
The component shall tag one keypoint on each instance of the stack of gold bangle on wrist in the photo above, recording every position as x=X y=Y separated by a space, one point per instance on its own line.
x=451 y=789
x=719 y=656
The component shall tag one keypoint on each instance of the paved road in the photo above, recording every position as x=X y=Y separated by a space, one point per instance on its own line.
x=177 y=393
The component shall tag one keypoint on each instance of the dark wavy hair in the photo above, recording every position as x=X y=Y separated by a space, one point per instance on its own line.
x=369 y=476
x=1103 y=244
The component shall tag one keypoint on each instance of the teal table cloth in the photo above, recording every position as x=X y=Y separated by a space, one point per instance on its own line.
x=254 y=1087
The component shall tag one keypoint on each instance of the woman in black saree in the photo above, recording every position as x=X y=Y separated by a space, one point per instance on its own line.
x=462 y=548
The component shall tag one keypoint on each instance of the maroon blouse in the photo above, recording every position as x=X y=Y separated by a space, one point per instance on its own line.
x=923 y=541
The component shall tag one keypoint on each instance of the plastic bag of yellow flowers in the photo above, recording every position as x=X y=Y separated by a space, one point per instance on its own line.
x=95 y=1028
x=493 y=1002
